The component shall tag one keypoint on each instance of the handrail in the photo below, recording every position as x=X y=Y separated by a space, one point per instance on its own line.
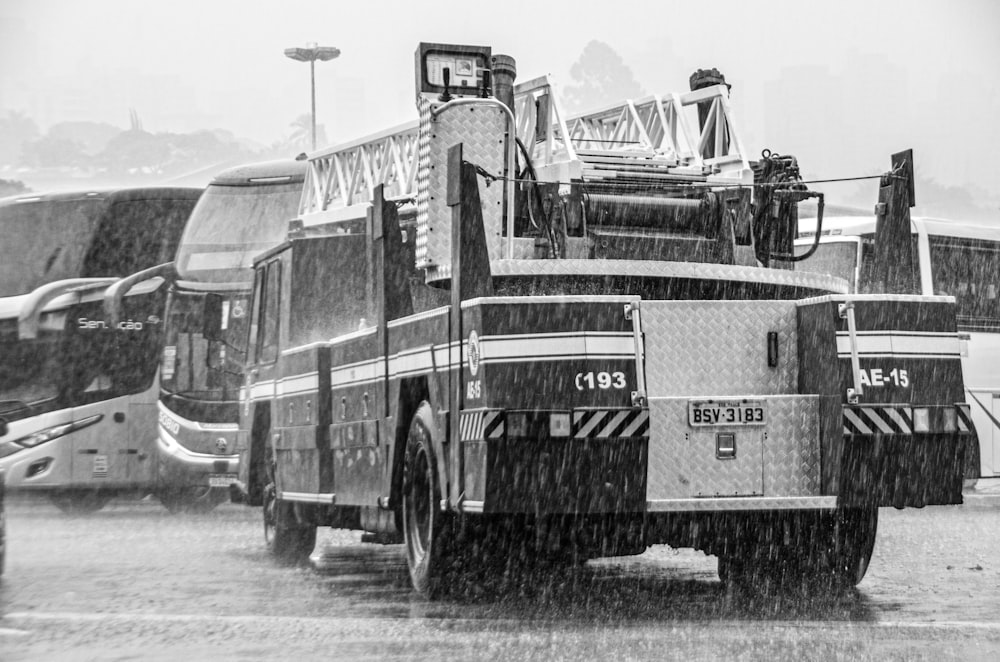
x=846 y=311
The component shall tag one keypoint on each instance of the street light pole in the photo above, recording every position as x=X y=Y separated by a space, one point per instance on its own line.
x=310 y=54
x=312 y=94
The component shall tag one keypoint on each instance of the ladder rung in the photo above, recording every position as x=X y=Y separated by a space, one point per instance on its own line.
x=642 y=163
x=637 y=153
x=638 y=177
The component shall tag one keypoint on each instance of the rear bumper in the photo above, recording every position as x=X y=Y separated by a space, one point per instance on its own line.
x=675 y=469
x=524 y=469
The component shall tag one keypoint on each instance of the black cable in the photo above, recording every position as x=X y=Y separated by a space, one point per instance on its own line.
x=553 y=247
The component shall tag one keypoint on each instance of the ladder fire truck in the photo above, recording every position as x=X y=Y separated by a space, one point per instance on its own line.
x=501 y=333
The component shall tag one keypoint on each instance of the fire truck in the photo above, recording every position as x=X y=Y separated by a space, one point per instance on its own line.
x=502 y=334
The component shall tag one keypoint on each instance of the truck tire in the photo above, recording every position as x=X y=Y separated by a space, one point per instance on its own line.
x=828 y=553
x=288 y=541
x=852 y=543
x=426 y=530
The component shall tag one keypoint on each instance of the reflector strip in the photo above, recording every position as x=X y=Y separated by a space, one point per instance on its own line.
x=607 y=423
x=877 y=420
x=853 y=423
x=482 y=424
x=964 y=418
x=900 y=419
x=585 y=422
x=609 y=429
x=873 y=416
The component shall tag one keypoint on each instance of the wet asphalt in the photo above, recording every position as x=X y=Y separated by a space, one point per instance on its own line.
x=132 y=582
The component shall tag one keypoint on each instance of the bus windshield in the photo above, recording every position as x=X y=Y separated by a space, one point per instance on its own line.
x=196 y=368
x=837 y=258
x=77 y=359
x=44 y=241
x=969 y=270
x=231 y=225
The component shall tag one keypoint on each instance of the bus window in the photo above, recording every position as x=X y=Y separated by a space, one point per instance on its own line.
x=969 y=270
x=44 y=241
x=128 y=241
x=837 y=258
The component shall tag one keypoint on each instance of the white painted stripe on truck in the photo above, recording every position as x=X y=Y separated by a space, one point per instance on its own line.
x=875 y=344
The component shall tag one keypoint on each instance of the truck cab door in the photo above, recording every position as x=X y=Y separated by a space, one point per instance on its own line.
x=262 y=362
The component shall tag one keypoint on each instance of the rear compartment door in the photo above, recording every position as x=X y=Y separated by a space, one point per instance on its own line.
x=708 y=382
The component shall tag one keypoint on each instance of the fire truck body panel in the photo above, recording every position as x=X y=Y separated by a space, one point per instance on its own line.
x=904 y=444
x=336 y=435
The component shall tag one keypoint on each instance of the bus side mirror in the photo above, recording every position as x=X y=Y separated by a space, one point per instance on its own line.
x=212 y=317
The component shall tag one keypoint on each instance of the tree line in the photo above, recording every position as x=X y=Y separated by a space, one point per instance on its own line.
x=99 y=148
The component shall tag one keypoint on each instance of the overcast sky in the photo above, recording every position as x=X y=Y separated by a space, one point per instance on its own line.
x=840 y=84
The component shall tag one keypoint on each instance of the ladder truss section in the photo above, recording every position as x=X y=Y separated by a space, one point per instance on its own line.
x=541 y=124
x=655 y=138
x=346 y=175
x=660 y=136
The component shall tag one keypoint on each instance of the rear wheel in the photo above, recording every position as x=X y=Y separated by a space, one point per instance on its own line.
x=80 y=502
x=288 y=541
x=426 y=530
x=853 y=541
x=826 y=552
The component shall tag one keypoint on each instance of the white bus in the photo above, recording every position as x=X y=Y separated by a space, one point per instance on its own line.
x=245 y=210
x=78 y=394
x=952 y=258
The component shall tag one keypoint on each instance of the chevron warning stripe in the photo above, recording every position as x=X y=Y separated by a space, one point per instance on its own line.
x=481 y=424
x=878 y=420
x=890 y=419
x=604 y=423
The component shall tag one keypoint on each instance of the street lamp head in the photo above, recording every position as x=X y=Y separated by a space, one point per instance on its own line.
x=312 y=53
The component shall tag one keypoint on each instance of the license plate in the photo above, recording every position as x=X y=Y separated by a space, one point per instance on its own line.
x=221 y=480
x=727 y=412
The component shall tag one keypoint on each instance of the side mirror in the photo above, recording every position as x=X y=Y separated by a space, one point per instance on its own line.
x=211 y=320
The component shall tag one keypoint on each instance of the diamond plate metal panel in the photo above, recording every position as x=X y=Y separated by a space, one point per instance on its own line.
x=682 y=460
x=719 y=348
x=792 y=447
x=423 y=179
x=481 y=129
x=779 y=460
x=657 y=269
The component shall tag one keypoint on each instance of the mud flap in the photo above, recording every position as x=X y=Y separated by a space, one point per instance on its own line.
x=903 y=470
